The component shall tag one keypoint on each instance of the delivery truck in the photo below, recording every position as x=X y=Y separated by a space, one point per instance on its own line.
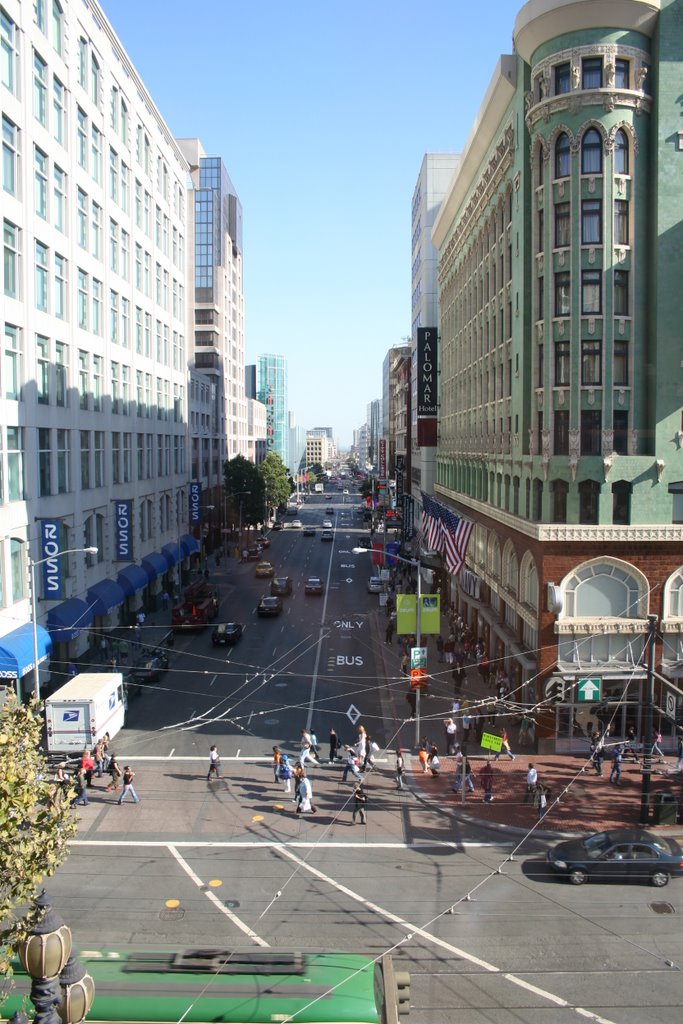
x=83 y=710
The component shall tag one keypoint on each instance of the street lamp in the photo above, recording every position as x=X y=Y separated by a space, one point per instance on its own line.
x=416 y=564
x=34 y=614
x=240 y=495
x=61 y=990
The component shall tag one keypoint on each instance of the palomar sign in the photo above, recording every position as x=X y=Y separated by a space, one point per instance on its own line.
x=427 y=340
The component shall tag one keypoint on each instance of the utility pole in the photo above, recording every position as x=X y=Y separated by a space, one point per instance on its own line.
x=647 y=724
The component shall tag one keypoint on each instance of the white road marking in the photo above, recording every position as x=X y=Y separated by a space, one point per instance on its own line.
x=295 y=844
x=213 y=680
x=216 y=902
x=172 y=752
x=455 y=950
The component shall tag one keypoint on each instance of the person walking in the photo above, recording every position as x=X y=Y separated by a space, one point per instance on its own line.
x=504 y=746
x=465 y=771
x=214 y=764
x=487 y=781
x=656 y=741
x=352 y=762
x=423 y=754
x=285 y=773
x=597 y=753
x=334 y=746
x=405 y=665
x=305 y=805
x=277 y=756
x=433 y=760
x=400 y=768
x=531 y=783
x=541 y=800
x=88 y=766
x=306 y=749
x=128 y=787
x=315 y=749
x=389 y=631
x=81 y=786
x=114 y=773
x=615 y=774
x=451 y=731
x=360 y=801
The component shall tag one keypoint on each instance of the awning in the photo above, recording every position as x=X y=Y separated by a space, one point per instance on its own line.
x=66 y=620
x=155 y=565
x=189 y=544
x=16 y=650
x=131 y=579
x=104 y=596
x=172 y=554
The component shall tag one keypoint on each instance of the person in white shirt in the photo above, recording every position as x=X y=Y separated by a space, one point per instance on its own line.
x=531 y=781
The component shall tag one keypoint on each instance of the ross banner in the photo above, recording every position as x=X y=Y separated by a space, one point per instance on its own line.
x=123 y=531
x=195 y=501
x=53 y=587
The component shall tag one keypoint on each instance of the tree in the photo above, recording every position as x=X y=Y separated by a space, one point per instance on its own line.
x=36 y=820
x=243 y=484
x=365 y=487
x=275 y=481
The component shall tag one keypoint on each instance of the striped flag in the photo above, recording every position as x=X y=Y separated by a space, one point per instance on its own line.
x=456 y=536
x=431 y=523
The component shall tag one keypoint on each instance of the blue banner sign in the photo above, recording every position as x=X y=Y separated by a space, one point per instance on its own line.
x=195 y=501
x=123 y=531
x=52 y=566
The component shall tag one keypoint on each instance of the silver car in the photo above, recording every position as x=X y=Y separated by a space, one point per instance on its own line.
x=375 y=585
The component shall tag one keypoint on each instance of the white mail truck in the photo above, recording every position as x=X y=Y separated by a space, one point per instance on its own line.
x=83 y=710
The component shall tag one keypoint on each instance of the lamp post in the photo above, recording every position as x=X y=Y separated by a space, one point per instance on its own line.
x=61 y=990
x=416 y=564
x=648 y=741
x=34 y=613
x=240 y=495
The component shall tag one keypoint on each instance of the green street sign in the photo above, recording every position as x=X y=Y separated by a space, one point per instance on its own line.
x=490 y=741
x=588 y=690
x=418 y=657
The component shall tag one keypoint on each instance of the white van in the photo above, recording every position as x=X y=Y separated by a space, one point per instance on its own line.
x=80 y=712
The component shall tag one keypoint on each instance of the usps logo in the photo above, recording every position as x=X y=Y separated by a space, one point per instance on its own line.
x=70 y=716
x=112 y=702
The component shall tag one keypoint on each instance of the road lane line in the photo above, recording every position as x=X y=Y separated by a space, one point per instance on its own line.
x=455 y=950
x=216 y=902
x=322 y=634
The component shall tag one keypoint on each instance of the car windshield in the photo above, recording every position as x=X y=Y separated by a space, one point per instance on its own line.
x=596 y=845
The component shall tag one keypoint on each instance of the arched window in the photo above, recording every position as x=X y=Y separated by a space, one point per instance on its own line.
x=493 y=556
x=591 y=152
x=528 y=581
x=673 y=596
x=17 y=554
x=510 y=569
x=621 y=152
x=562 y=156
x=605 y=588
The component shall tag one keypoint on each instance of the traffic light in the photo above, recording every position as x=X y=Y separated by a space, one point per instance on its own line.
x=396 y=990
x=402 y=979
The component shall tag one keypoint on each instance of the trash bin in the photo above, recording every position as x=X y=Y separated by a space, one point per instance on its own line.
x=665 y=808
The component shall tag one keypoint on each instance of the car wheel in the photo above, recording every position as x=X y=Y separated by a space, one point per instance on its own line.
x=577 y=876
x=660 y=878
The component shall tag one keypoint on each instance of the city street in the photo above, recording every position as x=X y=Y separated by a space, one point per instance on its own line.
x=229 y=863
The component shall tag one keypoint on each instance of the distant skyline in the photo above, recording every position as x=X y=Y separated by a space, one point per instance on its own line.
x=322 y=114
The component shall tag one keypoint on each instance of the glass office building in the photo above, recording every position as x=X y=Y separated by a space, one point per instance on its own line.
x=272 y=391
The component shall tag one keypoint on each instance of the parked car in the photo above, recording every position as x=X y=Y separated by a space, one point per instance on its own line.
x=227 y=633
x=278 y=525
x=281 y=586
x=314 y=585
x=264 y=570
x=296 y=524
x=253 y=552
x=150 y=667
x=309 y=531
x=621 y=854
x=269 y=606
x=327 y=524
x=327 y=535
x=375 y=585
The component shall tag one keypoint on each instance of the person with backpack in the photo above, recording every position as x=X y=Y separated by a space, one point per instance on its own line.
x=615 y=774
x=114 y=773
x=285 y=773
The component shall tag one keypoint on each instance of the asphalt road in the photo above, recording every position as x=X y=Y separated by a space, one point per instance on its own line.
x=486 y=939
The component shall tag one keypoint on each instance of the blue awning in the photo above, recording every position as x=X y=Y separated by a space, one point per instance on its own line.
x=189 y=544
x=131 y=579
x=66 y=620
x=104 y=596
x=155 y=565
x=16 y=650
x=172 y=554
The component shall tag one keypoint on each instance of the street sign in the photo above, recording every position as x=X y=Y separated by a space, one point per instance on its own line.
x=490 y=741
x=588 y=690
x=418 y=657
x=418 y=679
x=671 y=705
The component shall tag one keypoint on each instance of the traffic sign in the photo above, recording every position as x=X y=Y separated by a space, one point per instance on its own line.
x=588 y=690
x=418 y=679
x=418 y=657
x=490 y=741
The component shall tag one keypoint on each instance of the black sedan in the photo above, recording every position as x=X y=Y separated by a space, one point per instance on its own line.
x=281 y=586
x=309 y=531
x=150 y=667
x=227 y=633
x=278 y=525
x=314 y=585
x=621 y=854
x=269 y=606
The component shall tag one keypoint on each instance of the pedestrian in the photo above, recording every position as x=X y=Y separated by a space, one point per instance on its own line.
x=487 y=781
x=423 y=754
x=277 y=756
x=128 y=787
x=656 y=741
x=405 y=665
x=531 y=782
x=165 y=600
x=466 y=726
x=541 y=800
x=615 y=774
x=81 y=786
x=141 y=618
x=360 y=801
x=98 y=757
x=88 y=766
x=105 y=749
x=389 y=632
x=315 y=749
x=305 y=805
x=285 y=773
x=334 y=746
x=352 y=762
x=400 y=768
x=433 y=760
x=306 y=749
x=115 y=772
x=504 y=746
x=214 y=764
x=451 y=730
x=597 y=753
x=439 y=648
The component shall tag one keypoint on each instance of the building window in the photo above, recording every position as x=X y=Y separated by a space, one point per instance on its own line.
x=125 y=187
x=97 y=383
x=591 y=292
x=563 y=82
x=621 y=293
x=562 y=225
x=94 y=81
x=620 y=364
x=589 y=497
x=113 y=175
x=41 y=276
x=561 y=364
x=10 y=259
x=85 y=459
x=83 y=379
x=44 y=450
x=591 y=222
x=60 y=287
x=12 y=364
x=39 y=14
x=621 y=73
x=591 y=73
x=57 y=27
x=125 y=322
x=537 y=500
x=620 y=429
x=621 y=233
x=17 y=555
x=96 y=325
x=82 y=61
x=116 y=457
x=113 y=318
x=561 y=432
x=591 y=363
x=127 y=458
x=591 y=422
x=61 y=373
x=83 y=297
x=82 y=215
x=58 y=110
x=40 y=168
x=8 y=52
x=82 y=140
x=562 y=156
x=43 y=367
x=63 y=461
x=39 y=89
x=621 y=503
x=15 y=464
x=591 y=152
x=621 y=153
x=560 y=490
x=9 y=156
x=99 y=458
x=96 y=154
x=59 y=196
x=562 y=293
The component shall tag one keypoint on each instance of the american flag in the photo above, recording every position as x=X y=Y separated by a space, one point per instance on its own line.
x=456 y=534
x=431 y=523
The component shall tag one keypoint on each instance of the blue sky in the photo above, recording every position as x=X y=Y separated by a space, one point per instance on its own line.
x=322 y=113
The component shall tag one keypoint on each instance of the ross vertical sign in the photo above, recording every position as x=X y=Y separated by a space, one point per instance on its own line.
x=382 y=458
x=426 y=372
x=195 y=500
x=52 y=567
x=123 y=531
x=400 y=469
